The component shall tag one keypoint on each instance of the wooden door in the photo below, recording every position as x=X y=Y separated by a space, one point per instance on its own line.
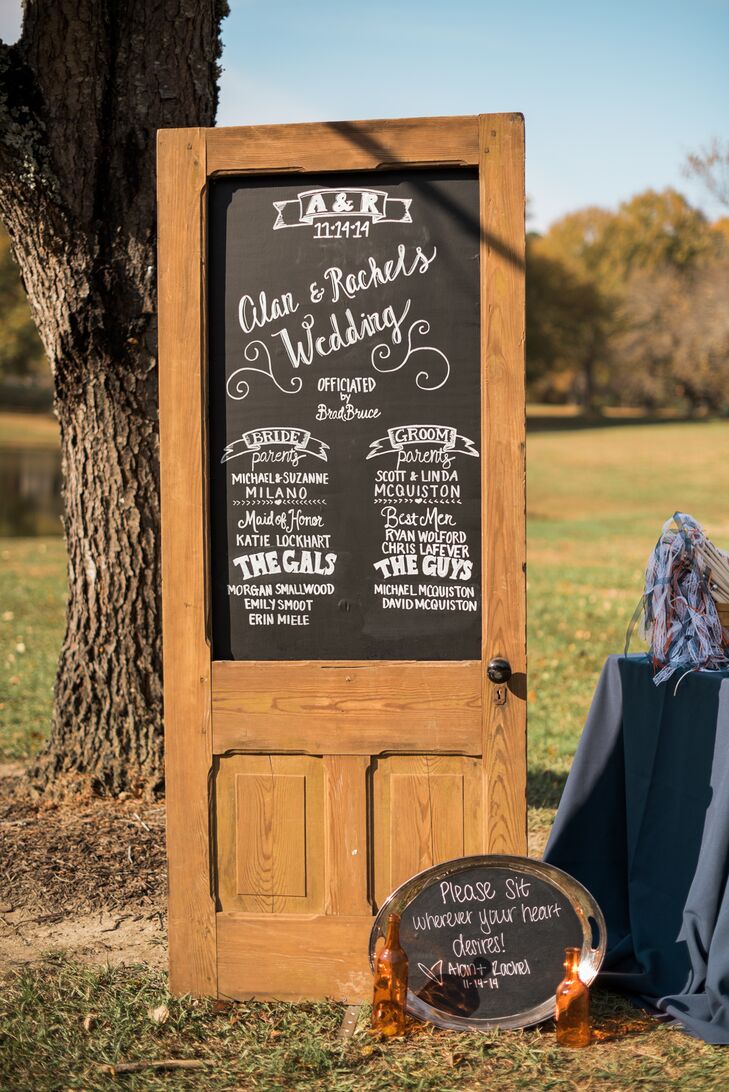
x=302 y=790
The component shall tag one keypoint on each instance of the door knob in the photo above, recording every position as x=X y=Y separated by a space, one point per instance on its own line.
x=498 y=670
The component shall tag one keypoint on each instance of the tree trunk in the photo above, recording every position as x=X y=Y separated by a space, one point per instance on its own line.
x=81 y=97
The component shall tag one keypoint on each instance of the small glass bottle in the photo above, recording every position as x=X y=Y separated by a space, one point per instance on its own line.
x=572 y=1004
x=391 y=983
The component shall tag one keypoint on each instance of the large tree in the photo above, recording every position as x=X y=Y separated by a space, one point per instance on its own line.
x=82 y=94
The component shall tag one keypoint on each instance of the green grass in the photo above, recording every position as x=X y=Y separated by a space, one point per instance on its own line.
x=262 y=1046
x=597 y=500
x=32 y=597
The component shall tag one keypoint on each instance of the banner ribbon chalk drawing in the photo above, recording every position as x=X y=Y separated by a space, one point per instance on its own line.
x=297 y=440
x=311 y=205
x=442 y=437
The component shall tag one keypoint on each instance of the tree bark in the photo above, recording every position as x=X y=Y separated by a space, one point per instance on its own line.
x=81 y=97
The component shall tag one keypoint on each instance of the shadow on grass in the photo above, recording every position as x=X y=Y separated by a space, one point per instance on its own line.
x=568 y=423
x=544 y=788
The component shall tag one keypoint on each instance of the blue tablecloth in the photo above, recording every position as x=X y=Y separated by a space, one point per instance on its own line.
x=644 y=824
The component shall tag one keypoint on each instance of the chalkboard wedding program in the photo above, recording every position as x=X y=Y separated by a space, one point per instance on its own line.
x=345 y=424
x=485 y=939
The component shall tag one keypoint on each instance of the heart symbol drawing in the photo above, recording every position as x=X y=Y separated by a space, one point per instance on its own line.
x=434 y=973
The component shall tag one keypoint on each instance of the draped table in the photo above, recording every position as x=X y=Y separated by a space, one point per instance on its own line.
x=644 y=824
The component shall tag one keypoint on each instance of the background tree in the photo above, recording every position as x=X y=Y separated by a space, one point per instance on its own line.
x=672 y=347
x=610 y=290
x=21 y=351
x=711 y=166
x=651 y=231
x=81 y=96
x=567 y=321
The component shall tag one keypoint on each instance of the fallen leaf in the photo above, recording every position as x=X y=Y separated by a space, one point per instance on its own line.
x=14 y=680
x=8 y=616
x=20 y=646
x=89 y=1021
x=220 y=1006
x=160 y=1015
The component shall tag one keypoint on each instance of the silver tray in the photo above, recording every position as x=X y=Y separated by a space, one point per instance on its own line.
x=582 y=902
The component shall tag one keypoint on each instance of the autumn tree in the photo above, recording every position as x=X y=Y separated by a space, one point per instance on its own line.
x=82 y=94
x=651 y=231
x=602 y=281
x=672 y=344
x=567 y=321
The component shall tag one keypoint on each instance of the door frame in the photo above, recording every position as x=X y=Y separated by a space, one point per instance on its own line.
x=195 y=686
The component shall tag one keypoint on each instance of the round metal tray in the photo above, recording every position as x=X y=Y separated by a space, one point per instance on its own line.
x=582 y=902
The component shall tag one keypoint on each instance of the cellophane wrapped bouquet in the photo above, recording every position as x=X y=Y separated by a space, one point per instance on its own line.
x=686 y=577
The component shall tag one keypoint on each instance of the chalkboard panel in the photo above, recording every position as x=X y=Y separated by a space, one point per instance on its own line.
x=485 y=939
x=344 y=389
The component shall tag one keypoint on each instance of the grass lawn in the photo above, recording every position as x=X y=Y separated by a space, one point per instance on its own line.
x=597 y=500
x=269 y=1047
x=32 y=598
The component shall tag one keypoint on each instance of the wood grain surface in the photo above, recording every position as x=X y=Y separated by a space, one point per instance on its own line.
x=188 y=739
x=501 y=175
x=270 y=851
x=344 y=145
x=426 y=809
x=294 y=958
x=362 y=707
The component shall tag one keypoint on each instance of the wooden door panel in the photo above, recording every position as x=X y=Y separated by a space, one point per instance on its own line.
x=364 y=707
x=425 y=809
x=294 y=958
x=291 y=834
x=270 y=833
x=346 y=835
x=270 y=819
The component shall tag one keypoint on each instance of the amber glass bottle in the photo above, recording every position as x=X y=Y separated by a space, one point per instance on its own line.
x=391 y=983
x=572 y=1011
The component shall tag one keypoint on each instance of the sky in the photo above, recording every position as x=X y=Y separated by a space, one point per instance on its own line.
x=615 y=94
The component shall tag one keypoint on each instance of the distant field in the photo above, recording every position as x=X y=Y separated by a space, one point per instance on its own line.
x=597 y=498
x=28 y=430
